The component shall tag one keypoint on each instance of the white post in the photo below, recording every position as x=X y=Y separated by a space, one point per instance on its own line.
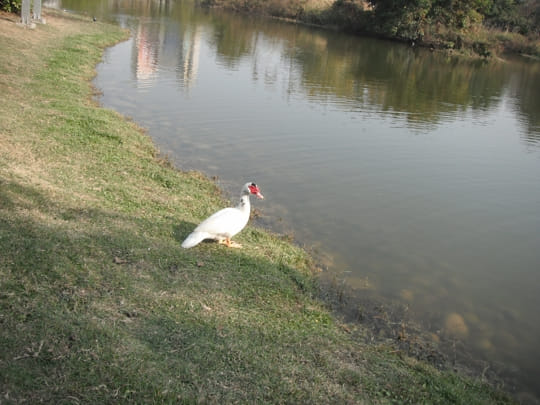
x=25 y=12
x=37 y=11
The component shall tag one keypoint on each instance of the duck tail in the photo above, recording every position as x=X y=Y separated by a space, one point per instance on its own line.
x=194 y=239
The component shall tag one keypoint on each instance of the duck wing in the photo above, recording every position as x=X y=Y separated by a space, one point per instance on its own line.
x=223 y=224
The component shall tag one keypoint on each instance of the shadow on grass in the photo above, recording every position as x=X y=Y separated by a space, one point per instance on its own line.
x=182 y=230
x=102 y=306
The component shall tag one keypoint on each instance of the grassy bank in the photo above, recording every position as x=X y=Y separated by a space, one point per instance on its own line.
x=98 y=301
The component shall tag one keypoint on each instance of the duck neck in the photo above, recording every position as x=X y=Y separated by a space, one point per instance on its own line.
x=244 y=204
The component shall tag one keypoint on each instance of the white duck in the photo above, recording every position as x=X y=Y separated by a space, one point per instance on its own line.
x=226 y=223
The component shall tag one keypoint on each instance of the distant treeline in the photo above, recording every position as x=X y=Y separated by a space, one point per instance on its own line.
x=411 y=19
x=482 y=26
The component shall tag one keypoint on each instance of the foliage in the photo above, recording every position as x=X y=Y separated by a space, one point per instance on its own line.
x=405 y=20
x=512 y=15
x=440 y=23
x=445 y=24
x=409 y=20
x=349 y=15
x=11 y=6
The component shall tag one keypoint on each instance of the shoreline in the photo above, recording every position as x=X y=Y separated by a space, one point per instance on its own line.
x=352 y=17
x=96 y=288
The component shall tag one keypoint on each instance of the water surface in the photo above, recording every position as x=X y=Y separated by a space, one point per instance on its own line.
x=417 y=173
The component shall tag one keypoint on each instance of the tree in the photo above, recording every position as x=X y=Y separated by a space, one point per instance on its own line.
x=402 y=19
x=11 y=6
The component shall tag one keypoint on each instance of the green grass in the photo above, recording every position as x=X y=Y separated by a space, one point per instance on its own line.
x=98 y=301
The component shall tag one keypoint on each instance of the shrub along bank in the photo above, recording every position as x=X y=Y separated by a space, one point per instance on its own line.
x=479 y=27
x=98 y=301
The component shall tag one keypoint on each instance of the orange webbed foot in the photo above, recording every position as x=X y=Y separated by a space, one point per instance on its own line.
x=229 y=243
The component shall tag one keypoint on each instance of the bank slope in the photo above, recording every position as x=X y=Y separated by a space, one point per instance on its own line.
x=98 y=301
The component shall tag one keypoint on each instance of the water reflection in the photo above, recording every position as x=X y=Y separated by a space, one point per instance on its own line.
x=155 y=49
x=365 y=74
x=397 y=80
x=146 y=57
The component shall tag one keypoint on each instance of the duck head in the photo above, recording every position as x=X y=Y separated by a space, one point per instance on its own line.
x=252 y=188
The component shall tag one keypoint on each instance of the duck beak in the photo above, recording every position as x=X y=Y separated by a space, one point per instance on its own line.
x=259 y=195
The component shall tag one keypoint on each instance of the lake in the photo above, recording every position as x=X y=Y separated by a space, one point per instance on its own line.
x=415 y=174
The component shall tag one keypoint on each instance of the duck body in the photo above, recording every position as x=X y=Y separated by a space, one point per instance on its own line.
x=226 y=223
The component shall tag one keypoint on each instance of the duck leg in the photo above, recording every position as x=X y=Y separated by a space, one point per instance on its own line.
x=230 y=243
